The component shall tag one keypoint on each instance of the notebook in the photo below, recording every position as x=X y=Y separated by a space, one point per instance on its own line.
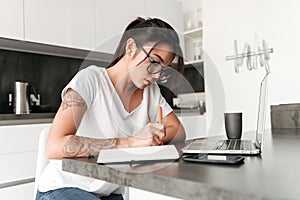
x=236 y=146
x=138 y=154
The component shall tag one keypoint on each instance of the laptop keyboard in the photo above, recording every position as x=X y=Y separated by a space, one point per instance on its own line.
x=235 y=145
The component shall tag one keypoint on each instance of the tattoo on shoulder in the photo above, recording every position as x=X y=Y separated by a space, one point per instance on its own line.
x=72 y=98
x=78 y=146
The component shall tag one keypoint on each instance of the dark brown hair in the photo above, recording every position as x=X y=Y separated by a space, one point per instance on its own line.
x=151 y=30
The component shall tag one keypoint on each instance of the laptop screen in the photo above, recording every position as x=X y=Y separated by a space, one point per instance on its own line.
x=262 y=108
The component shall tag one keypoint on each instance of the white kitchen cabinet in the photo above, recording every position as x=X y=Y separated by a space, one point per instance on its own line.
x=18 y=152
x=11 y=19
x=111 y=19
x=168 y=10
x=82 y=24
x=63 y=23
x=17 y=167
x=113 y=16
x=17 y=192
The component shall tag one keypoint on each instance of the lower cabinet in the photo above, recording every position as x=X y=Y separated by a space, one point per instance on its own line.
x=18 y=152
x=22 y=191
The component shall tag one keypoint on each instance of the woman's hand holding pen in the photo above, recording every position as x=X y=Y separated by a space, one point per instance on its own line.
x=151 y=135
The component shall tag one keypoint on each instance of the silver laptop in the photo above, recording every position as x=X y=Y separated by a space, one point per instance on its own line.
x=236 y=146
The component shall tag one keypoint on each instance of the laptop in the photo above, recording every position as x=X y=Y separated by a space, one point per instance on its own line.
x=235 y=146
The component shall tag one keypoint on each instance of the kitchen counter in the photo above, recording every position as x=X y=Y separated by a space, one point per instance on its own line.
x=37 y=118
x=272 y=175
x=33 y=118
x=188 y=112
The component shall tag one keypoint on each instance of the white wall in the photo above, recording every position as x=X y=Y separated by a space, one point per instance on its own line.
x=275 y=21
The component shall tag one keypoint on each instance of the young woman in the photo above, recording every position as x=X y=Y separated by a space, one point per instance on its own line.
x=114 y=107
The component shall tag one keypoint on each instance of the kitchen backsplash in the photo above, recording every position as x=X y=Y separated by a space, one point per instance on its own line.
x=49 y=74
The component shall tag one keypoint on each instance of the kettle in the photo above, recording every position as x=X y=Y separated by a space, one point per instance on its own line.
x=23 y=94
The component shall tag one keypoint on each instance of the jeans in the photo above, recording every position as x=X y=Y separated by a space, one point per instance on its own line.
x=74 y=194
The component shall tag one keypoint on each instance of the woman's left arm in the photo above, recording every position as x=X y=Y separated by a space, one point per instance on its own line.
x=174 y=130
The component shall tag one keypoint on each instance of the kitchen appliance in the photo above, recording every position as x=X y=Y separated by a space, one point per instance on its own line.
x=24 y=96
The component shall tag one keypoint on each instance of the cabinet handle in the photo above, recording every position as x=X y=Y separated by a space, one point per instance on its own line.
x=15 y=183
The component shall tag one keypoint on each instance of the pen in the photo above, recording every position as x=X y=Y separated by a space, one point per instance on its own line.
x=160 y=119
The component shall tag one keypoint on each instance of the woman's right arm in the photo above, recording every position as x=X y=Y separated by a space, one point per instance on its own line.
x=63 y=141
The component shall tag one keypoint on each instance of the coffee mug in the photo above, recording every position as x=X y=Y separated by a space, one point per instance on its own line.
x=233 y=125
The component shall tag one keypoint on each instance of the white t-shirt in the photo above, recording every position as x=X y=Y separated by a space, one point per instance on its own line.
x=105 y=117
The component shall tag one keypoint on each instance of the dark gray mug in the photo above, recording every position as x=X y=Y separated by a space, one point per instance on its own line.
x=233 y=125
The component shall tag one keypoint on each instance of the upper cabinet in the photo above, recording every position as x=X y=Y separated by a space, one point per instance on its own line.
x=168 y=10
x=11 y=19
x=64 y=23
x=82 y=24
x=111 y=19
x=113 y=16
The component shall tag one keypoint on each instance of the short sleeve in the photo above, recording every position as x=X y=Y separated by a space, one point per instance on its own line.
x=85 y=84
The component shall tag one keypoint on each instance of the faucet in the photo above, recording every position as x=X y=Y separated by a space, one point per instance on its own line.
x=35 y=100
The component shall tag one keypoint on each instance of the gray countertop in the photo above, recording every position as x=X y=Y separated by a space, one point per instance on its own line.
x=272 y=175
x=188 y=112
x=38 y=118
x=33 y=118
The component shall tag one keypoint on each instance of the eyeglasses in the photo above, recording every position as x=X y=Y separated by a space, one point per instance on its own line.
x=155 y=67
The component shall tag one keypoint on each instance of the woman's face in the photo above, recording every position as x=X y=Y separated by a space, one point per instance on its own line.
x=161 y=53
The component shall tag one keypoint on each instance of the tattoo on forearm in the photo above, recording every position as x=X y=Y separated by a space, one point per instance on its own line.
x=72 y=98
x=78 y=146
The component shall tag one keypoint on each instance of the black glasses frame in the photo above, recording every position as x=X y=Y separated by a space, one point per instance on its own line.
x=164 y=74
